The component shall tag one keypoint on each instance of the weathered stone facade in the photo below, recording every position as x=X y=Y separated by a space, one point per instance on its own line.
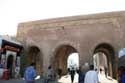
x=83 y=33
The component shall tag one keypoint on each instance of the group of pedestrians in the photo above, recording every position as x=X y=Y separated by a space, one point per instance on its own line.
x=30 y=74
x=89 y=77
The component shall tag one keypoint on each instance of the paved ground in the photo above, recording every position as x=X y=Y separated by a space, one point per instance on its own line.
x=22 y=81
x=102 y=79
x=67 y=79
x=64 y=79
x=19 y=81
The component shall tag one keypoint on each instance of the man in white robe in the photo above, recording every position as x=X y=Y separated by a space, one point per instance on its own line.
x=91 y=76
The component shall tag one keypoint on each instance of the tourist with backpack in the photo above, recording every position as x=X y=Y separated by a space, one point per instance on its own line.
x=30 y=73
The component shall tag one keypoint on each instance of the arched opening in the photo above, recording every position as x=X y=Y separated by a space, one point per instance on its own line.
x=104 y=57
x=61 y=57
x=10 y=64
x=34 y=55
x=100 y=61
x=73 y=61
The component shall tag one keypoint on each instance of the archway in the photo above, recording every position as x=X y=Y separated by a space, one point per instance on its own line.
x=103 y=56
x=34 y=55
x=100 y=61
x=73 y=61
x=61 y=56
x=10 y=64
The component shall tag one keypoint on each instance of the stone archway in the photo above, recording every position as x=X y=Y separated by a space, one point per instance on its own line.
x=60 y=58
x=34 y=55
x=106 y=54
x=100 y=61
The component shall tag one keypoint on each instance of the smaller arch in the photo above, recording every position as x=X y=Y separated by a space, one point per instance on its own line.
x=66 y=43
x=55 y=50
x=34 y=54
x=60 y=57
x=108 y=51
x=34 y=49
x=104 y=46
x=65 y=46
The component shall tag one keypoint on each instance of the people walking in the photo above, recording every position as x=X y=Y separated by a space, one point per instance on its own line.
x=91 y=76
x=72 y=73
x=100 y=70
x=30 y=73
x=81 y=76
x=50 y=74
x=106 y=71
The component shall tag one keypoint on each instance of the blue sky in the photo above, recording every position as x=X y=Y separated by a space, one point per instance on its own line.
x=13 y=12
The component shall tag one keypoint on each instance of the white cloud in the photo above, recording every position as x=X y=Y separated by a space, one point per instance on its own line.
x=15 y=11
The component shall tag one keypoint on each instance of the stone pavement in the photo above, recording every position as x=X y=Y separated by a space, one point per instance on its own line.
x=67 y=79
x=102 y=79
x=22 y=81
x=18 y=81
x=64 y=79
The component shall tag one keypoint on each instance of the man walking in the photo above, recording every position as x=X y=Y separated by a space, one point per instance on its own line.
x=81 y=75
x=106 y=71
x=30 y=74
x=72 y=73
x=91 y=76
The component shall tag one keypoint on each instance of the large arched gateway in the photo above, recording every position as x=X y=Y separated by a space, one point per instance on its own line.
x=104 y=57
x=61 y=54
x=87 y=33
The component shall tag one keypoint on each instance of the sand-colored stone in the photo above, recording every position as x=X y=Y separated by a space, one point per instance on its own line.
x=83 y=33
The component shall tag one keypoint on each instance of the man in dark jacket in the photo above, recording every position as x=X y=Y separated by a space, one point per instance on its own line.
x=81 y=76
x=72 y=73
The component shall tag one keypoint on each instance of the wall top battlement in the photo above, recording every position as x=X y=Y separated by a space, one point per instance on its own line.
x=74 y=18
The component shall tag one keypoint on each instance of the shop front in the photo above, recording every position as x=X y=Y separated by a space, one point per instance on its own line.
x=10 y=58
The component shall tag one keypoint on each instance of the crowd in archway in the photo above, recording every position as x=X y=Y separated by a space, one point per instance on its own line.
x=85 y=75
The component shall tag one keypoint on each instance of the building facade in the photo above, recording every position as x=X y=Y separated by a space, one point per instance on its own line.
x=49 y=42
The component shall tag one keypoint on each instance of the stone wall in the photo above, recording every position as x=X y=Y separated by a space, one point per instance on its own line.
x=83 y=33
